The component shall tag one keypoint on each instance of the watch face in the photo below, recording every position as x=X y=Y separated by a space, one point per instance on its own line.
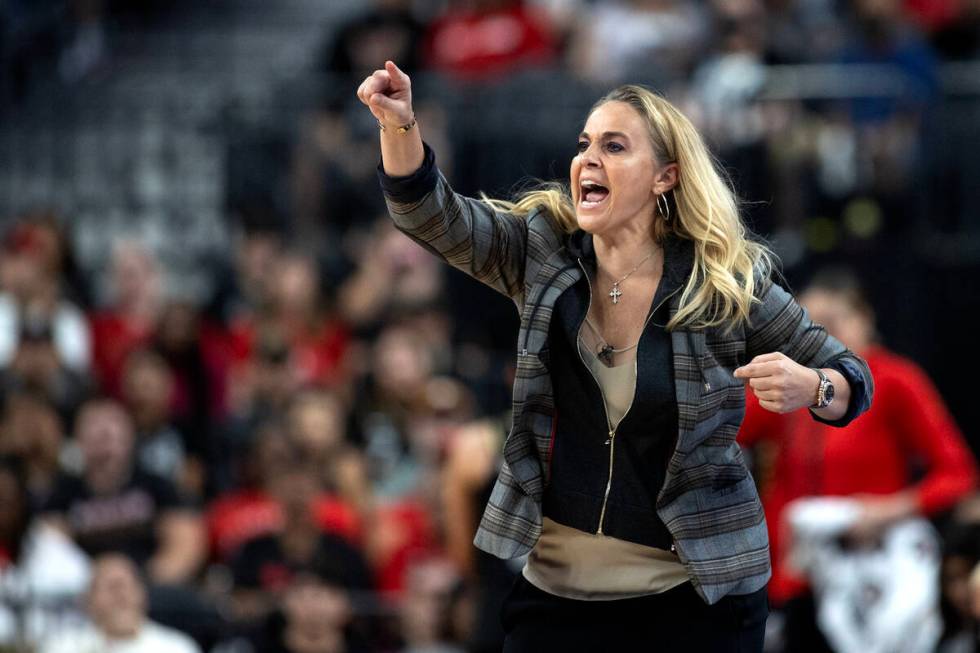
x=828 y=392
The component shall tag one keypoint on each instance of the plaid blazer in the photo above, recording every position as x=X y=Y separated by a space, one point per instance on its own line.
x=708 y=500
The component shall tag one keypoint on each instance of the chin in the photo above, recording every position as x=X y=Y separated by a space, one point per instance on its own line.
x=590 y=222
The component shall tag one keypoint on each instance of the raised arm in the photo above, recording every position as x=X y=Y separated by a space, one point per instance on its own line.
x=388 y=94
x=786 y=346
x=470 y=235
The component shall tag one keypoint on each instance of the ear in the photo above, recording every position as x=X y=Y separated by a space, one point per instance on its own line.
x=666 y=178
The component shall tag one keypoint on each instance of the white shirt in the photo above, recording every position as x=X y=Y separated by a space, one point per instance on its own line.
x=152 y=638
x=45 y=583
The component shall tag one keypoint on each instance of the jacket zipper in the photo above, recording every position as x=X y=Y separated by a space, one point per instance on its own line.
x=611 y=441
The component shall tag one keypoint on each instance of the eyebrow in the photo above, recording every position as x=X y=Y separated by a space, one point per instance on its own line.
x=606 y=135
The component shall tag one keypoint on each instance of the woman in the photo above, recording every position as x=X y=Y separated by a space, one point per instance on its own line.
x=642 y=523
x=869 y=461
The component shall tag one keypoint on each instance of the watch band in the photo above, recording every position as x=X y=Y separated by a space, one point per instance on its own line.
x=822 y=400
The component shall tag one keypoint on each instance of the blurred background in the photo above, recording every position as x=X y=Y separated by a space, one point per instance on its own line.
x=240 y=412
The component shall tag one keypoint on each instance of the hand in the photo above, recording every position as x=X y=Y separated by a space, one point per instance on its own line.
x=388 y=94
x=880 y=512
x=781 y=384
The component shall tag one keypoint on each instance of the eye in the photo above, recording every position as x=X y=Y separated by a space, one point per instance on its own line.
x=582 y=146
x=613 y=146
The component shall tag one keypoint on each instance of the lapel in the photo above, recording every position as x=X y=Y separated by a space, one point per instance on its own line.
x=558 y=273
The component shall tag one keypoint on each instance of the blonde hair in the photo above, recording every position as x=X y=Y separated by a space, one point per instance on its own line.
x=727 y=263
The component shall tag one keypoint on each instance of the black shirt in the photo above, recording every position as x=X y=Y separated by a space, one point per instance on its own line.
x=124 y=521
x=262 y=564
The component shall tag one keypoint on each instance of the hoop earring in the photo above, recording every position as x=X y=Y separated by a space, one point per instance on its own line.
x=665 y=209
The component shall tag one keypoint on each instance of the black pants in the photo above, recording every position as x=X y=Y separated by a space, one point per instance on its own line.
x=675 y=621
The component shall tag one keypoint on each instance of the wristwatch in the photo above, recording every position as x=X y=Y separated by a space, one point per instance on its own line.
x=825 y=391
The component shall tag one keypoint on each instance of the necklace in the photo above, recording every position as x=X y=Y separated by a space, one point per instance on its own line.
x=616 y=293
x=605 y=351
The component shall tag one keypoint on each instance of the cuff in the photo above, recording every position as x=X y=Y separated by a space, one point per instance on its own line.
x=860 y=399
x=413 y=187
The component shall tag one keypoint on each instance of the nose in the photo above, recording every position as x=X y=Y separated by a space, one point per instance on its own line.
x=589 y=157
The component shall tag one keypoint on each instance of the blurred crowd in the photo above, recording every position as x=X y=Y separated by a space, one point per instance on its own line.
x=296 y=460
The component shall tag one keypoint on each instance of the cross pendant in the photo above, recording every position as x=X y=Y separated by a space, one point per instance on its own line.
x=615 y=293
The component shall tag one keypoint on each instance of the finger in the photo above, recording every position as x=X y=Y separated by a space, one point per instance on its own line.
x=754 y=370
x=361 y=92
x=769 y=395
x=762 y=383
x=771 y=406
x=369 y=87
x=771 y=356
x=385 y=103
x=396 y=73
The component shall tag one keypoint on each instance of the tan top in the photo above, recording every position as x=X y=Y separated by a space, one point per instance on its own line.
x=578 y=565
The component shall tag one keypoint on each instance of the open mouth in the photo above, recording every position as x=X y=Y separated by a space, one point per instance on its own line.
x=592 y=194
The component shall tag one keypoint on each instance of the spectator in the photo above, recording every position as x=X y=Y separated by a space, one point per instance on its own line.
x=262 y=385
x=132 y=313
x=117 y=506
x=32 y=430
x=162 y=449
x=316 y=423
x=38 y=368
x=251 y=510
x=485 y=39
x=881 y=34
x=313 y=617
x=41 y=570
x=639 y=39
x=393 y=276
x=266 y=565
x=426 y=609
x=198 y=355
x=117 y=608
x=32 y=268
x=316 y=341
x=961 y=554
x=467 y=480
x=247 y=287
x=386 y=29
x=960 y=39
x=868 y=460
x=88 y=49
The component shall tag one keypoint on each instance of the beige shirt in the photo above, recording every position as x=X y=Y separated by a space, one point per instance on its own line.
x=578 y=565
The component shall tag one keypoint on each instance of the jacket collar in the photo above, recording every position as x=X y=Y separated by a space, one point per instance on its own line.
x=678 y=255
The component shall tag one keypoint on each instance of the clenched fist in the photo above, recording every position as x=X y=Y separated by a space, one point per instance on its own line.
x=388 y=94
x=781 y=384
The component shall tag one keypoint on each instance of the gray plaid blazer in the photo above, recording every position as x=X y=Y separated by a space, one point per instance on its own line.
x=708 y=501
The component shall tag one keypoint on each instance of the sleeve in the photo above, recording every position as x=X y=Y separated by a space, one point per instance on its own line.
x=487 y=244
x=778 y=323
x=920 y=416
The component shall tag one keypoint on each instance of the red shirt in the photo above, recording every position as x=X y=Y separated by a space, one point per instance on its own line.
x=316 y=355
x=481 y=44
x=907 y=422
x=235 y=518
x=114 y=337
